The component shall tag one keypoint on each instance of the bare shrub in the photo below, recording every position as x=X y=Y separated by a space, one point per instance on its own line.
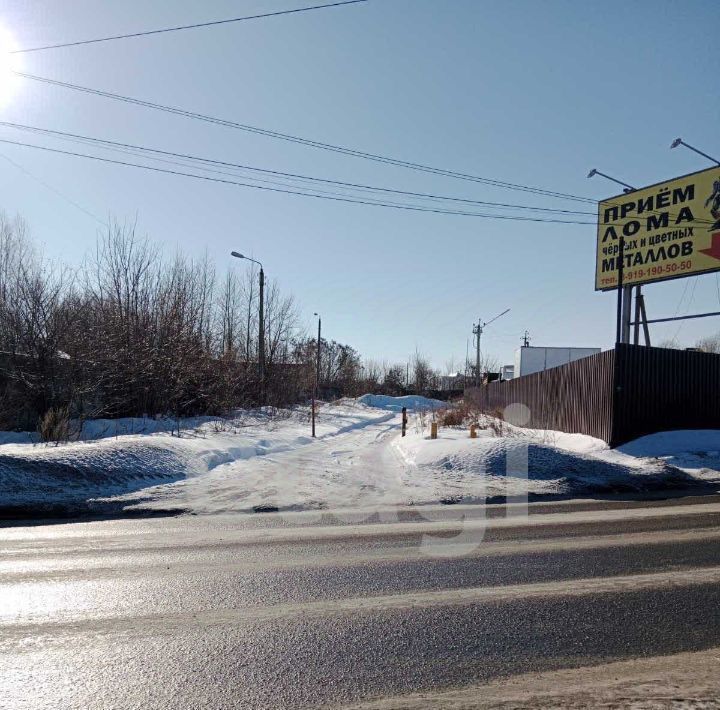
x=710 y=344
x=220 y=425
x=496 y=423
x=462 y=413
x=451 y=417
x=54 y=426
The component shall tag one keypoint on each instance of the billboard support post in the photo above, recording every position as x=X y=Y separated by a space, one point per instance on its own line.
x=646 y=330
x=636 y=325
x=620 y=268
x=626 y=313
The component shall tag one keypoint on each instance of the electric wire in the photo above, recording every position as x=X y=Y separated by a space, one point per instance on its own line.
x=133 y=150
x=52 y=189
x=352 y=200
x=308 y=142
x=197 y=25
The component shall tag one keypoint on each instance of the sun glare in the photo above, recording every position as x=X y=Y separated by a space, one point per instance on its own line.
x=9 y=63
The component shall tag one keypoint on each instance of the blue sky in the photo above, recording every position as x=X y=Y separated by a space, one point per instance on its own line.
x=526 y=92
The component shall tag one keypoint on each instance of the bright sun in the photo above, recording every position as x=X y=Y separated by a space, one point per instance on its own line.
x=9 y=63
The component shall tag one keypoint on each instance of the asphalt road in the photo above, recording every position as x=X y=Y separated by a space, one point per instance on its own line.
x=286 y=611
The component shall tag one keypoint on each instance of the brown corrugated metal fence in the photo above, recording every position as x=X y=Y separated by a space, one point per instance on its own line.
x=661 y=389
x=617 y=395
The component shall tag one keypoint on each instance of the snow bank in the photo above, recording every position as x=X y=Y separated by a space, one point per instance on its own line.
x=358 y=461
x=86 y=475
x=679 y=443
x=413 y=402
x=537 y=463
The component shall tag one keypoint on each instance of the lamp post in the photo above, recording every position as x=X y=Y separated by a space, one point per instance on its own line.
x=624 y=294
x=628 y=188
x=680 y=141
x=316 y=388
x=261 y=327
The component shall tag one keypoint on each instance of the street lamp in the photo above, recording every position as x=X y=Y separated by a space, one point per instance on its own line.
x=622 y=300
x=627 y=188
x=680 y=141
x=261 y=335
x=316 y=388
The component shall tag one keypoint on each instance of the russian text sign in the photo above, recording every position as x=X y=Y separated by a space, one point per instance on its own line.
x=670 y=230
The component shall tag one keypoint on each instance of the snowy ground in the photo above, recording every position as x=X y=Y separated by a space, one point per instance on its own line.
x=358 y=461
x=521 y=462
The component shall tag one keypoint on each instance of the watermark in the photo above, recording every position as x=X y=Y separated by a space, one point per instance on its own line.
x=447 y=505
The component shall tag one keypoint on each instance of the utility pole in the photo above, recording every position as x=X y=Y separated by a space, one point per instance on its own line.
x=261 y=336
x=467 y=361
x=316 y=388
x=261 y=326
x=477 y=332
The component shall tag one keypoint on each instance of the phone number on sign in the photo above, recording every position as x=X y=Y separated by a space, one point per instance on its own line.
x=672 y=268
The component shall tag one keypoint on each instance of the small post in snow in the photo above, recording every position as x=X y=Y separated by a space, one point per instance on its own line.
x=404 y=420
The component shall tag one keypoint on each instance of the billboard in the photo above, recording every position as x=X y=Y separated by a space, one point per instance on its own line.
x=671 y=230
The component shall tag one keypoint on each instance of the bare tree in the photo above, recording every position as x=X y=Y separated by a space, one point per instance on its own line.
x=424 y=377
x=138 y=333
x=709 y=344
x=394 y=380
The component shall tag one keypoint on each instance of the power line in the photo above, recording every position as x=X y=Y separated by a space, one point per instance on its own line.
x=141 y=151
x=179 y=28
x=53 y=189
x=352 y=200
x=690 y=301
x=184 y=156
x=308 y=142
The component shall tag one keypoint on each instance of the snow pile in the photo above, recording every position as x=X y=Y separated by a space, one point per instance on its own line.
x=413 y=402
x=536 y=463
x=686 y=449
x=84 y=475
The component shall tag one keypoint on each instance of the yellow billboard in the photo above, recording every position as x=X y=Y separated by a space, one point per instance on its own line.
x=670 y=230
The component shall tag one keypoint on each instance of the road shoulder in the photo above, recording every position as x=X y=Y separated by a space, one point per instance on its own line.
x=685 y=680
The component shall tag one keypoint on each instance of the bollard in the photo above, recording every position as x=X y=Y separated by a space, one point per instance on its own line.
x=473 y=431
x=404 y=420
x=433 y=430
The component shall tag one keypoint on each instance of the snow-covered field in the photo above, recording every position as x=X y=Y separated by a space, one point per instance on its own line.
x=358 y=461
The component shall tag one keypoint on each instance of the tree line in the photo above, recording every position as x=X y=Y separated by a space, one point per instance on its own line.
x=133 y=332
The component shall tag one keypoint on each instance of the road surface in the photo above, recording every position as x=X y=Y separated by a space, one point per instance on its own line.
x=433 y=607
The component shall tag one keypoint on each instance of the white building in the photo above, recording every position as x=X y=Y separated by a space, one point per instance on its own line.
x=529 y=359
x=507 y=372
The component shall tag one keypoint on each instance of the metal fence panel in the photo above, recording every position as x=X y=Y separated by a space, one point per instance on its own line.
x=617 y=395
x=576 y=397
x=662 y=389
